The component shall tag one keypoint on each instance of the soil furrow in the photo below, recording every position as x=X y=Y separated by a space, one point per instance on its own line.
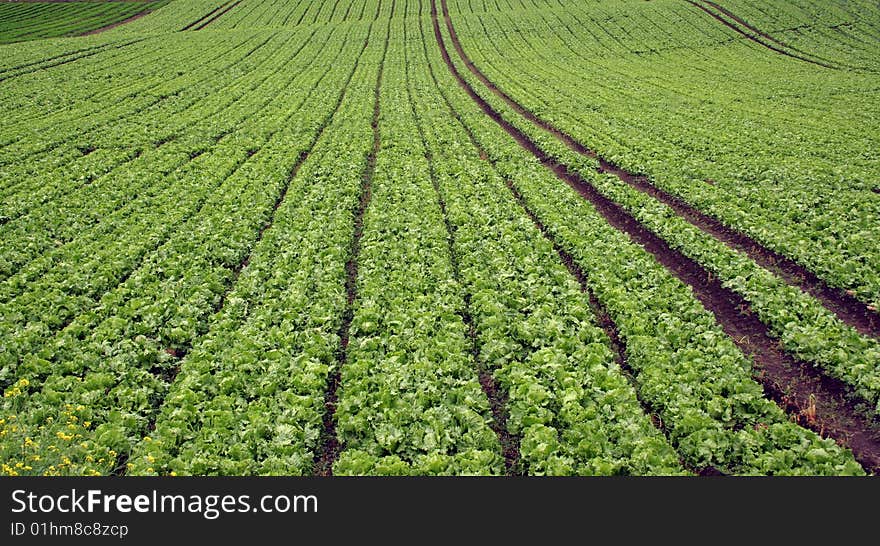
x=765 y=35
x=68 y=60
x=759 y=41
x=180 y=354
x=603 y=319
x=816 y=401
x=219 y=15
x=329 y=445
x=70 y=54
x=496 y=395
x=117 y=24
x=846 y=307
x=206 y=16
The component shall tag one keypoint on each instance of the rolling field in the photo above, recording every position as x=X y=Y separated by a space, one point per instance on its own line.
x=418 y=237
x=22 y=20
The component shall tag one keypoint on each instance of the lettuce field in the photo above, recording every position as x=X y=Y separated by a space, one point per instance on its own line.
x=433 y=237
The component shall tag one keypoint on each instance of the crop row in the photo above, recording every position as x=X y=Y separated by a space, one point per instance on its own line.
x=686 y=368
x=114 y=235
x=409 y=398
x=115 y=361
x=535 y=331
x=806 y=201
x=841 y=33
x=31 y=21
x=119 y=190
x=249 y=397
x=803 y=325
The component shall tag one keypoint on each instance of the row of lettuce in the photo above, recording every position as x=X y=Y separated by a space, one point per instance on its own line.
x=805 y=328
x=754 y=138
x=113 y=363
x=685 y=367
x=20 y=21
x=191 y=325
x=840 y=32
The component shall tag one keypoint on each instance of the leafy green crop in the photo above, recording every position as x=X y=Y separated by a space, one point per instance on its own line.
x=178 y=204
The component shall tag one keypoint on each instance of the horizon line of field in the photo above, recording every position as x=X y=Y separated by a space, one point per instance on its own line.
x=788 y=373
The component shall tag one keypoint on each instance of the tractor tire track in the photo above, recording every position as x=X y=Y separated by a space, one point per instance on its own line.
x=219 y=15
x=767 y=36
x=760 y=41
x=846 y=307
x=816 y=401
x=206 y=16
x=600 y=313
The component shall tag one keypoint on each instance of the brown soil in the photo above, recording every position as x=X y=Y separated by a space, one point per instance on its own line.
x=848 y=308
x=604 y=320
x=206 y=16
x=120 y=23
x=794 y=385
x=759 y=41
x=217 y=16
x=763 y=34
x=602 y=317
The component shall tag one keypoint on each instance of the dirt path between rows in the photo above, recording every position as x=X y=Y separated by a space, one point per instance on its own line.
x=846 y=307
x=120 y=23
x=217 y=16
x=811 y=398
x=759 y=41
x=329 y=446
